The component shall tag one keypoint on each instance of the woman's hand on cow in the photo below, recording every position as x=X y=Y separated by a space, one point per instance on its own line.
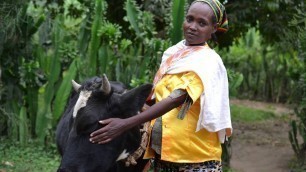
x=112 y=128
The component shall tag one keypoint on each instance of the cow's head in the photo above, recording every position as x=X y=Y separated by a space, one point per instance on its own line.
x=97 y=99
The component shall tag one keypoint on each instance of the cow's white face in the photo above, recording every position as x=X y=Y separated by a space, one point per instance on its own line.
x=82 y=101
x=86 y=93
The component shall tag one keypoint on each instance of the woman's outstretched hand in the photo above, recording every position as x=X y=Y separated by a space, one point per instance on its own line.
x=113 y=127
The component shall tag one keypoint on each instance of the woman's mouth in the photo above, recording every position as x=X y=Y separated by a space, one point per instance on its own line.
x=190 y=35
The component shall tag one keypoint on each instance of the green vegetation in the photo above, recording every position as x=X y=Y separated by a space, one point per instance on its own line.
x=246 y=114
x=31 y=157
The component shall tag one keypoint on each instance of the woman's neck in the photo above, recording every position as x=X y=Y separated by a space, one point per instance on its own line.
x=200 y=44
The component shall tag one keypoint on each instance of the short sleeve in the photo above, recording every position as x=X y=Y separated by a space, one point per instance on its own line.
x=190 y=82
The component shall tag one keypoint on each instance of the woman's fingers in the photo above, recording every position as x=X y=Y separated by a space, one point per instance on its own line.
x=101 y=135
x=98 y=138
x=98 y=132
x=105 y=141
x=106 y=121
x=101 y=130
x=111 y=129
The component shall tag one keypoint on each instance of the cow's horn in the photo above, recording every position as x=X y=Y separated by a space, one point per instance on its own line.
x=105 y=87
x=75 y=85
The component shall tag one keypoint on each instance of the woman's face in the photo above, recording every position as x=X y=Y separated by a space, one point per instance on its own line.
x=198 y=25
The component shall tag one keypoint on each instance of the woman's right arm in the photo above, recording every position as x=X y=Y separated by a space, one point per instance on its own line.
x=116 y=126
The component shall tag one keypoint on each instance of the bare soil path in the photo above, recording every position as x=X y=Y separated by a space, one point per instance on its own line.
x=262 y=146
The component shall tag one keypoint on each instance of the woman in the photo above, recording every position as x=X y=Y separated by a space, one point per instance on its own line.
x=191 y=115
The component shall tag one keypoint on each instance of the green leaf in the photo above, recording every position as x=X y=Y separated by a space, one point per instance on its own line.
x=23 y=125
x=42 y=114
x=132 y=15
x=103 y=56
x=293 y=137
x=94 y=42
x=177 y=20
x=84 y=37
x=293 y=145
x=64 y=91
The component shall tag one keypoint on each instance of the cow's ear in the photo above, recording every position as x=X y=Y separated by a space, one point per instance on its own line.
x=132 y=101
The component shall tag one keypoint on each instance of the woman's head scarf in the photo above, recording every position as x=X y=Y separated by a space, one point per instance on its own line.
x=220 y=13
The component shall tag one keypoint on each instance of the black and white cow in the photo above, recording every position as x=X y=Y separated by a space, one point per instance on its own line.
x=94 y=100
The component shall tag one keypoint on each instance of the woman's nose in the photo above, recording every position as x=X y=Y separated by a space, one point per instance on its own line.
x=193 y=26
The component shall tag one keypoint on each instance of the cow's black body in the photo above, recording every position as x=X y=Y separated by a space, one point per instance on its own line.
x=72 y=135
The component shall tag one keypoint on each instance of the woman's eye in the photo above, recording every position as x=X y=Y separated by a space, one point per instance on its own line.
x=188 y=19
x=201 y=23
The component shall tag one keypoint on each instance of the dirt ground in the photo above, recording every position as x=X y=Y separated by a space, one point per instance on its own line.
x=262 y=146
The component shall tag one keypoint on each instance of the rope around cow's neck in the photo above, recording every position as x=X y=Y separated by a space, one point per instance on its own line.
x=132 y=158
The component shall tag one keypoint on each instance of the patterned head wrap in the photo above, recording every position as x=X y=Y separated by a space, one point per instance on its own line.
x=220 y=13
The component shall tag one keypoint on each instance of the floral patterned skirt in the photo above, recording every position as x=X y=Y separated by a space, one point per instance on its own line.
x=208 y=166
